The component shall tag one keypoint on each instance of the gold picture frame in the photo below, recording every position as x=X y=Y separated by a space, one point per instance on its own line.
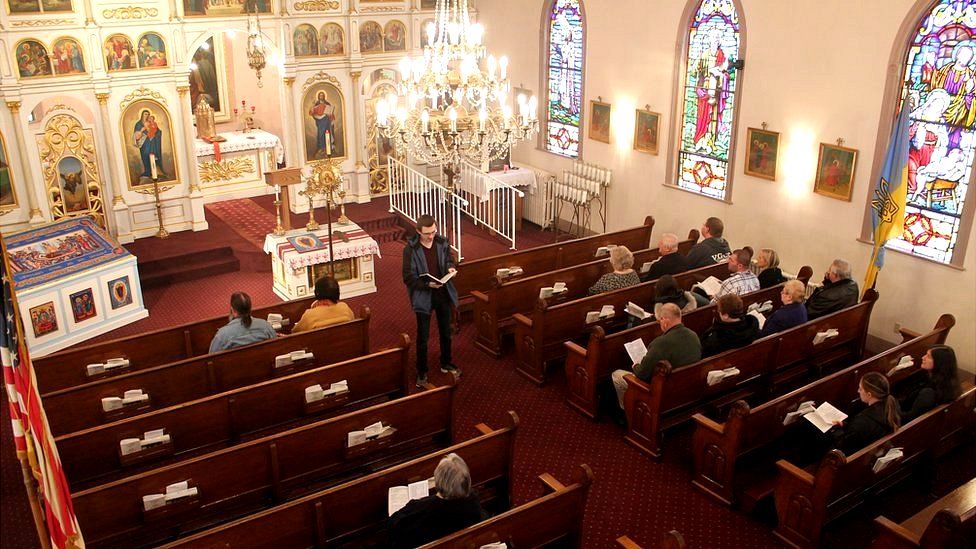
x=599 y=129
x=216 y=47
x=762 y=153
x=647 y=128
x=136 y=170
x=8 y=190
x=836 y=167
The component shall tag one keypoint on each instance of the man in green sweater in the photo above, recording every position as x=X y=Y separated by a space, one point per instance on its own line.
x=677 y=344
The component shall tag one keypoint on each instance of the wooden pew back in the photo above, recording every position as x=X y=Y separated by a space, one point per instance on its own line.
x=477 y=274
x=948 y=522
x=77 y=408
x=806 y=502
x=222 y=419
x=357 y=510
x=268 y=470
x=718 y=447
x=68 y=368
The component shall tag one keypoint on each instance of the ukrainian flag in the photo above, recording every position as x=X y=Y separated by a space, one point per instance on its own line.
x=890 y=195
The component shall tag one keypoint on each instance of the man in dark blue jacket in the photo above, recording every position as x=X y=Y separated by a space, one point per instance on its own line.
x=428 y=255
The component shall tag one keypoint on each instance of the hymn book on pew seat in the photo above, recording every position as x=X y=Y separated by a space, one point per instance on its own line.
x=647 y=266
x=905 y=362
x=717 y=376
x=604 y=251
x=892 y=455
x=637 y=311
x=825 y=335
x=400 y=496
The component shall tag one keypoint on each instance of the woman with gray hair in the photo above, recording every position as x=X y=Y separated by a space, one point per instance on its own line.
x=452 y=508
x=623 y=274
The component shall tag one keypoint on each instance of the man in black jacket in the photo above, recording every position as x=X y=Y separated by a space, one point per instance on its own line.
x=838 y=291
x=670 y=263
x=712 y=249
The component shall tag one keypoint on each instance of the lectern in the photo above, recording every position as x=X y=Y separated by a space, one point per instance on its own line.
x=281 y=179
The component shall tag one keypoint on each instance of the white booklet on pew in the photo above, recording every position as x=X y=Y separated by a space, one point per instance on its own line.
x=905 y=362
x=637 y=311
x=399 y=496
x=647 y=266
x=759 y=316
x=442 y=280
x=710 y=285
x=825 y=416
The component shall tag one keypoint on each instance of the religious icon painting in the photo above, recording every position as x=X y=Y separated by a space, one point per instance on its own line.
x=8 y=200
x=332 y=40
x=208 y=77
x=395 y=36
x=424 y=37
x=305 y=40
x=120 y=292
x=225 y=8
x=82 y=305
x=835 y=171
x=15 y=7
x=44 y=319
x=67 y=57
x=600 y=121
x=762 y=152
x=323 y=122
x=646 y=128
x=119 y=54
x=72 y=185
x=151 y=53
x=428 y=4
x=32 y=59
x=148 y=138
x=371 y=37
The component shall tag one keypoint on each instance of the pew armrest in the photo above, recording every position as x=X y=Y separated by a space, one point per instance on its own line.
x=552 y=485
x=888 y=529
x=575 y=348
x=710 y=424
x=626 y=543
x=908 y=335
x=794 y=471
x=479 y=296
x=522 y=319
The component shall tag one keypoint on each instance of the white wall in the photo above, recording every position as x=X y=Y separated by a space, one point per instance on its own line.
x=815 y=71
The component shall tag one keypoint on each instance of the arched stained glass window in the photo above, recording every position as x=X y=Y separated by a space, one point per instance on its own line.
x=564 y=77
x=709 y=89
x=940 y=74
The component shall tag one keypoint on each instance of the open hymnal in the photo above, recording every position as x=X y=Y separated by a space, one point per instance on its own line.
x=893 y=454
x=277 y=321
x=906 y=362
x=316 y=392
x=825 y=416
x=710 y=285
x=442 y=280
x=109 y=364
x=505 y=272
x=647 y=265
x=717 y=376
x=559 y=287
x=605 y=312
x=376 y=430
x=803 y=409
x=604 y=250
x=399 y=496
x=153 y=501
x=759 y=316
x=175 y=491
x=636 y=350
x=129 y=397
x=550 y=291
x=825 y=335
x=149 y=438
x=637 y=311
x=290 y=358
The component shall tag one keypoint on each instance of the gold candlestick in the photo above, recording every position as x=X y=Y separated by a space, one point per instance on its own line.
x=162 y=232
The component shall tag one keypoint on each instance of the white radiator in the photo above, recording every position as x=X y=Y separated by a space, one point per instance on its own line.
x=537 y=207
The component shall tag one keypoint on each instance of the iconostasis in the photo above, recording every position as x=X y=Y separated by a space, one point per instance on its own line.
x=98 y=91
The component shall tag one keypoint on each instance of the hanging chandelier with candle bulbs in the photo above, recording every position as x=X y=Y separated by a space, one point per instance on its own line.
x=452 y=103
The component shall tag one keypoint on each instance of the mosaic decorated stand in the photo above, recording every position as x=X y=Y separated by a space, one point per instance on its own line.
x=73 y=282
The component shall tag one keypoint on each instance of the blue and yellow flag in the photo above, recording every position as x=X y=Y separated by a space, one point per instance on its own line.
x=890 y=195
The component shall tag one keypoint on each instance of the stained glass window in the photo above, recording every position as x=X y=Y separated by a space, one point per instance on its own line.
x=940 y=74
x=564 y=72
x=709 y=99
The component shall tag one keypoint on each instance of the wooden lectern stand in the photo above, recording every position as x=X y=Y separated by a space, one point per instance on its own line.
x=283 y=178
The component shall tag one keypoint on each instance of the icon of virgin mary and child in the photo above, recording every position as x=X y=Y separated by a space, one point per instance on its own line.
x=323 y=112
x=148 y=137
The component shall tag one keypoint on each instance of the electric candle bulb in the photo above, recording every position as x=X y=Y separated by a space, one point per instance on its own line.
x=503 y=64
x=405 y=68
x=425 y=120
x=452 y=114
x=533 y=107
x=507 y=115
x=492 y=65
x=477 y=33
x=431 y=33
x=482 y=117
x=381 y=112
x=402 y=115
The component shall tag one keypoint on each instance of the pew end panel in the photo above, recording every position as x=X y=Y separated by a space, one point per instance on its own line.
x=642 y=403
x=580 y=376
x=714 y=448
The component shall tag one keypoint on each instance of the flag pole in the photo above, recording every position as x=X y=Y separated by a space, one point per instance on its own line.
x=30 y=483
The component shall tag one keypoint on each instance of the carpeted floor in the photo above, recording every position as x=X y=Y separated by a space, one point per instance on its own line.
x=631 y=494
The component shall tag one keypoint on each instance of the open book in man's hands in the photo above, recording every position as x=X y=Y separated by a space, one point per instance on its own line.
x=443 y=280
x=710 y=285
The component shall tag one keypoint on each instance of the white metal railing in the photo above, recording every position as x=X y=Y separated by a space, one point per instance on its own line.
x=490 y=201
x=413 y=194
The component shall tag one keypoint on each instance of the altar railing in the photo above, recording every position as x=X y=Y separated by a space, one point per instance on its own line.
x=413 y=194
x=490 y=201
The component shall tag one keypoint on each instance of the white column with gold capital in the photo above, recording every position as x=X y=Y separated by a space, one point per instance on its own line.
x=36 y=217
x=198 y=215
x=120 y=210
x=360 y=178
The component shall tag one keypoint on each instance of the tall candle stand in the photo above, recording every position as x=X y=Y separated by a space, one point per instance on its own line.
x=155 y=190
x=326 y=179
x=279 y=230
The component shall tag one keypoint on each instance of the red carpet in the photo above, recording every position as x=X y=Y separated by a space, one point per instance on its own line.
x=631 y=494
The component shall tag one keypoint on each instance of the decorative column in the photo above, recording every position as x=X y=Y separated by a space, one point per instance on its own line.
x=120 y=220
x=36 y=217
x=89 y=13
x=292 y=140
x=360 y=179
x=197 y=213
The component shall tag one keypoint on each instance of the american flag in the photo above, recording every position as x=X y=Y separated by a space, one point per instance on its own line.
x=32 y=437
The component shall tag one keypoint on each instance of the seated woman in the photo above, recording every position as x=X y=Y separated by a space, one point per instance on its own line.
x=623 y=274
x=732 y=329
x=791 y=314
x=667 y=291
x=242 y=329
x=326 y=310
x=769 y=272
x=941 y=384
x=454 y=507
x=881 y=418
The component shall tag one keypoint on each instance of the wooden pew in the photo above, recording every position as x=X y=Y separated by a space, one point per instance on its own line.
x=721 y=450
x=673 y=394
x=672 y=540
x=949 y=522
x=68 y=368
x=223 y=419
x=269 y=470
x=355 y=513
x=494 y=307
x=539 y=336
x=806 y=501
x=587 y=366
x=553 y=519
x=77 y=408
x=477 y=274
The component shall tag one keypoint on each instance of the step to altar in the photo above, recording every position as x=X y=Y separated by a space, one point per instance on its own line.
x=181 y=267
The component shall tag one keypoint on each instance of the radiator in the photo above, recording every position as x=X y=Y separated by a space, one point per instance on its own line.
x=537 y=207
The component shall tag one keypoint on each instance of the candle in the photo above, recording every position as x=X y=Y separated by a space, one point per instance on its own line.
x=452 y=114
x=152 y=166
x=277 y=189
x=328 y=143
x=425 y=120
x=482 y=117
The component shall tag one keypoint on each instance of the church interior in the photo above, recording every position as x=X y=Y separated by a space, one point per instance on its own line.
x=177 y=174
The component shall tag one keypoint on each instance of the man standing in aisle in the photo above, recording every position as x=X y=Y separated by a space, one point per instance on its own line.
x=428 y=253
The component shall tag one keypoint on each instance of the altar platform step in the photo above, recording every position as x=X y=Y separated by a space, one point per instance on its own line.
x=383 y=229
x=163 y=271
